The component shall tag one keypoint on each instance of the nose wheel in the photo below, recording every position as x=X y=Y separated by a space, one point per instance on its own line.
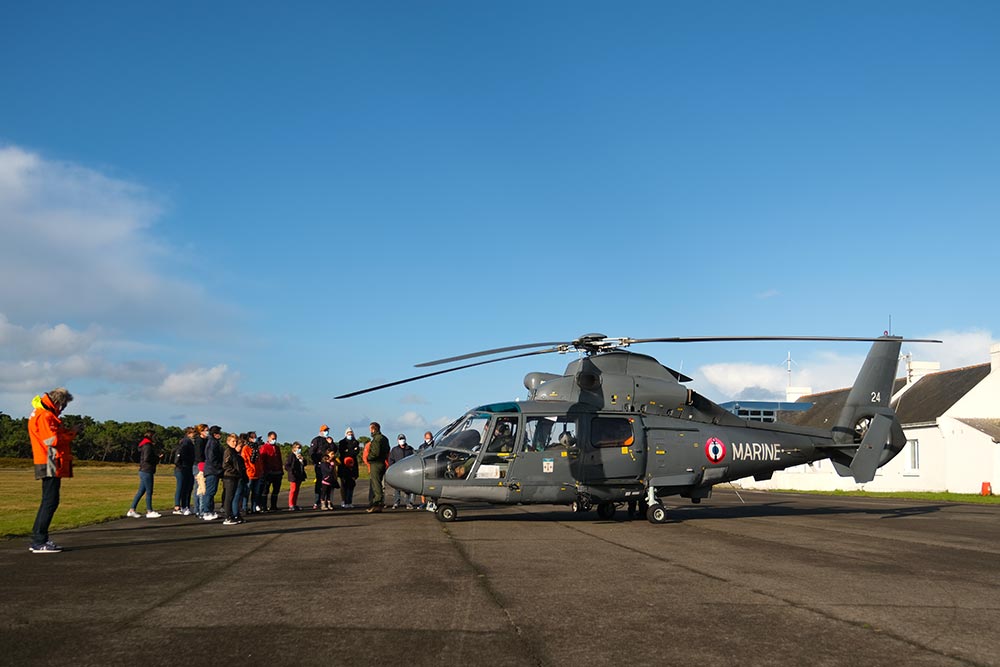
x=446 y=513
x=657 y=513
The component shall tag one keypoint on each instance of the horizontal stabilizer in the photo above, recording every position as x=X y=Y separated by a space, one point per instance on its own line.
x=869 y=454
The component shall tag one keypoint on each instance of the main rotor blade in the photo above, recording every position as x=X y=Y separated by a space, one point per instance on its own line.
x=715 y=339
x=447 y=370
x=497 y=350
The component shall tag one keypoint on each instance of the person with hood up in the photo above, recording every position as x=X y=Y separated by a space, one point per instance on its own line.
x=149 y=456
x=50 y=451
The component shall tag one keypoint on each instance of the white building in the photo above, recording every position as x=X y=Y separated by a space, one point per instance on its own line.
x=952 y=425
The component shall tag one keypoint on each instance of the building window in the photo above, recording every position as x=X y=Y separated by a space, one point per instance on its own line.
x=912 y=456
x=755 y=415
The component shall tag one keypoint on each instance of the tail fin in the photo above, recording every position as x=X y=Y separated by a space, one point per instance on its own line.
x=866 y=420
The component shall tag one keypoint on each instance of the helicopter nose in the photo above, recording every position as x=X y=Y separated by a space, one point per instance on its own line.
x=407 y=475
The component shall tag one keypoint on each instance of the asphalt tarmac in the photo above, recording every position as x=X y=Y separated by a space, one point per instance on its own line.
x=772 y=579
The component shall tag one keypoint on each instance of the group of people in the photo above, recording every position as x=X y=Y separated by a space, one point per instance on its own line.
x=250 y=470
x=336 y=465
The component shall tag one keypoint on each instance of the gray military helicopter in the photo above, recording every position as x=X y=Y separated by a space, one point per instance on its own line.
x=618 y=427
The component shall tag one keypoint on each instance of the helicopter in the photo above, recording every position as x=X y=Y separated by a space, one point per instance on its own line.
x=619 y=427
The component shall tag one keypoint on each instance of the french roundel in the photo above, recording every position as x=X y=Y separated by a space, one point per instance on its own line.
x=715 y=450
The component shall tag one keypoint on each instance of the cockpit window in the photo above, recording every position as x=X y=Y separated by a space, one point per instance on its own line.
x=467 y=433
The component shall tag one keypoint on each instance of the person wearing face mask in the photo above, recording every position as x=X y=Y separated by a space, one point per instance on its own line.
x=398 y=453
x=347 y=467
x=270 y=454
x=318 y=448
x=295 y=464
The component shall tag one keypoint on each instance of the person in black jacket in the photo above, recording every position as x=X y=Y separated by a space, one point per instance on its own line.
x=212 y=468
x=296 y=466
x=318 y=448
x=233 y=471
x=183 y=460
x=149 y=456
x=348 y=451
x=200 y=440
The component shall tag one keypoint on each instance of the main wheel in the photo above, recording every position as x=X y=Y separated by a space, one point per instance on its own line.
x=446 y=513
x=606 y=510
x=657 y=513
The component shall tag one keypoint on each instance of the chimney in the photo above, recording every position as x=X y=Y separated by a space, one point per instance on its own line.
x=994 y=357
x=917 y=369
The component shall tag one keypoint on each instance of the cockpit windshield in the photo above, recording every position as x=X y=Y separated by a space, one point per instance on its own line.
x=467 y=433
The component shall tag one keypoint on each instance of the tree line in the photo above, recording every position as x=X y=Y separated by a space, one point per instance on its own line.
x=100 y=441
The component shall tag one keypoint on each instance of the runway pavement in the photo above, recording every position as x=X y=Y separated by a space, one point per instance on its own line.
x=779 y=580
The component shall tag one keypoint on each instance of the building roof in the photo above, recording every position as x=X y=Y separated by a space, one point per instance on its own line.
x=826 y=407
x=929 y=398
x=990 y=427
x=935 y=393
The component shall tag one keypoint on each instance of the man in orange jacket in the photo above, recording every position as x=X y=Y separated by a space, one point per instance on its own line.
x=50 y=449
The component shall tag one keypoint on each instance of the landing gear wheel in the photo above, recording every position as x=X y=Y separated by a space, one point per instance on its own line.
x=606 y=510
x=446 y=513
x=657 y=513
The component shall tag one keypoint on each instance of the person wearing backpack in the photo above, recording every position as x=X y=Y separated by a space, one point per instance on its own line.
x=183 y=459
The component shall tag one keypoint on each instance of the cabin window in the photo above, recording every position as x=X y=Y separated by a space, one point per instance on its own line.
x=611 y=432
x=542 y=433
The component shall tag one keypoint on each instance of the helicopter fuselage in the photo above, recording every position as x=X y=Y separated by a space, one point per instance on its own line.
x=558 y=452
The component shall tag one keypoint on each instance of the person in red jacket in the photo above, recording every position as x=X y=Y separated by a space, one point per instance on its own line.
x=50 y=449
x=270 y=454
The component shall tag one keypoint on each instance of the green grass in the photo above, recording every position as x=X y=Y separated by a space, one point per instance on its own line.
x=906 y=495
x=92 y=495
x=97 y=492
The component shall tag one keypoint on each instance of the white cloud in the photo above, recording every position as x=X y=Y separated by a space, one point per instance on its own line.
x=957 y=349
x=411 y=420
x=267 y=401
x=198 y=385
x=827 y=370
x=77 y=243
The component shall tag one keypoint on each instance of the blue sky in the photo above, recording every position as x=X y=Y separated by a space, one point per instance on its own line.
x=233 y=212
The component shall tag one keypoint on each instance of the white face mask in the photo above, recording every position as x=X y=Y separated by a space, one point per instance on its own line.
x=428 y=440
x=402 y=442
x=324 y=433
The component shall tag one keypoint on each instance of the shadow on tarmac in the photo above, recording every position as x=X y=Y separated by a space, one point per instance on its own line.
x=676 y=514
x=201 y=538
